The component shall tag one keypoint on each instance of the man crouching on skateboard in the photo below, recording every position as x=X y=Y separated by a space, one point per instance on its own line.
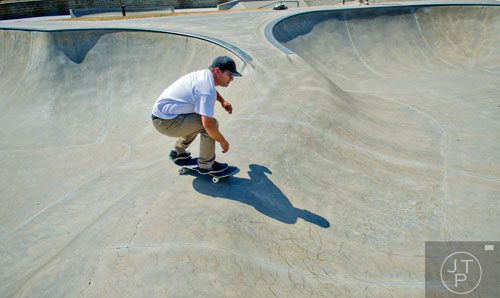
x=186 y=109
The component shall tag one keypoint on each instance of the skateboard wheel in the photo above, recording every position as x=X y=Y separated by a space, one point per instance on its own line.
x=215 y=180
x=182 y=171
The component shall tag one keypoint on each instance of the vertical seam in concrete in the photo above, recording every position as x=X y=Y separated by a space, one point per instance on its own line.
x=422 y=36
x=357 y=52
x=427 y=43
x=108 y=115
x=445 y=187
x=445 y=139
x=486 y=57
x=481 y=42
x=105 y=128
x=445 y=157
x=82 y=292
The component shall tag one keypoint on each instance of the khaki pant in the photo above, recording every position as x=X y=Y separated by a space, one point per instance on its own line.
x=186 y=127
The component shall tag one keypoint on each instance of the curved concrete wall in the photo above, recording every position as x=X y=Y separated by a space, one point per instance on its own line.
x=423 y=86
x=77 y=97
x=353 y=153
x=73 y=82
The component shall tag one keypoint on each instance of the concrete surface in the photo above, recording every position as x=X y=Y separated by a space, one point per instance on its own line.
x=379 y=133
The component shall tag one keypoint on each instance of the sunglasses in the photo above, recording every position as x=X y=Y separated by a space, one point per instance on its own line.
x=226 y=71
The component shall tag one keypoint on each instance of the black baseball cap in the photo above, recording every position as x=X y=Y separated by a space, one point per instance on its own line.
x=225 y=63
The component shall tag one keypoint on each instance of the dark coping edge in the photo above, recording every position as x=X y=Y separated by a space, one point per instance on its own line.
x=245 y=57
x=270 y=27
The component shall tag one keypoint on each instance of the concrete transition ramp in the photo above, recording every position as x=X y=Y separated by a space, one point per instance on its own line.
x=376 y=129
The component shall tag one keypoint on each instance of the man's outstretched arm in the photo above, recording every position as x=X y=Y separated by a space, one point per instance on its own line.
x=213 y=131
x=225 y=104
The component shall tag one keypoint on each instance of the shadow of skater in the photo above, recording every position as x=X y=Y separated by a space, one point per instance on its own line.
x=259 y=192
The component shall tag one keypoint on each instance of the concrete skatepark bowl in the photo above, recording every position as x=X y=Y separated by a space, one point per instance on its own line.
x=360 y=135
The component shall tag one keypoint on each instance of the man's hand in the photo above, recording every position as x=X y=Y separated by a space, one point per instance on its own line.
x=212 y=129
x=225 y=146
x=227 y=106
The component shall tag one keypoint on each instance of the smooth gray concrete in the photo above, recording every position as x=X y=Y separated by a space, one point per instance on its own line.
x=379 y=133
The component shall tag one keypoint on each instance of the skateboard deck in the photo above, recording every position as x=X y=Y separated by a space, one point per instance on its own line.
x=191 y=164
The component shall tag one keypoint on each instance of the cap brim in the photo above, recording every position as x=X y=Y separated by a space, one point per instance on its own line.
x=235 y=73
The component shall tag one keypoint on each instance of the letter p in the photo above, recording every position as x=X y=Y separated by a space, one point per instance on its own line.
x=459 y=278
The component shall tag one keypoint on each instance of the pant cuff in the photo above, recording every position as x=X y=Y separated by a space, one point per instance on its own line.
x=206 y=163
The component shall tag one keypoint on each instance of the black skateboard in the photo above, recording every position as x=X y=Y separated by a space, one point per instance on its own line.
x=191 y=164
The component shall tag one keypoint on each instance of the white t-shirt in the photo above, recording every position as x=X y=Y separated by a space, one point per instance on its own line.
x=191 y=93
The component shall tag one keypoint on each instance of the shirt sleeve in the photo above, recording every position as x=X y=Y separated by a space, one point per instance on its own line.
x=204 y=104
